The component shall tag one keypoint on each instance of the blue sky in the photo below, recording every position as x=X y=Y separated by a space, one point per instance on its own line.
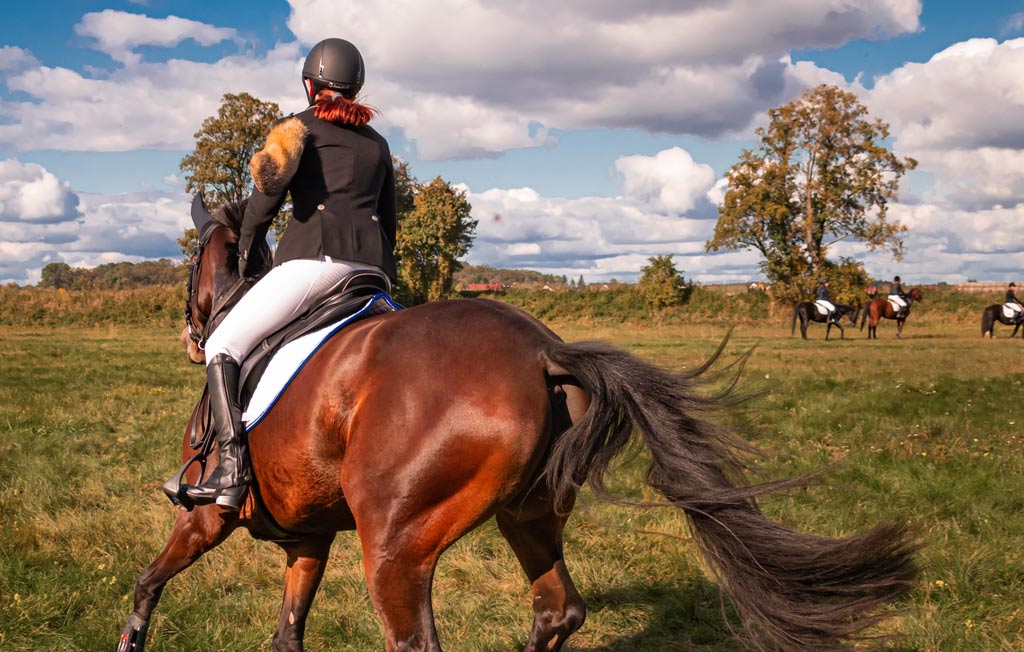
x=598 y=131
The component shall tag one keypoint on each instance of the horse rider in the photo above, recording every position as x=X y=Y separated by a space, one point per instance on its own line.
x=898 y=296
x=821 y=299
x=342 y=183
x=1013 y=303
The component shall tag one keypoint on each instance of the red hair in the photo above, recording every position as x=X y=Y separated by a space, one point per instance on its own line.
x=335 y=107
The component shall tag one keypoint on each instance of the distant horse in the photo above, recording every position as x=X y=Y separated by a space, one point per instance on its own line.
x=806 y=311
x=405 y=430
x=993 y=314
x=876 y=309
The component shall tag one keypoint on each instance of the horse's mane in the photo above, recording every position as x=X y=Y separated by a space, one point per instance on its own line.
x=231 y=214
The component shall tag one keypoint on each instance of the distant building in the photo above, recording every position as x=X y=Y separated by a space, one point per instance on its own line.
x=485 y=287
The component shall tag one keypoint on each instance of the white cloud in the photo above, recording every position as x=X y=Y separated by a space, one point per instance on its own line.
x=15 y=58
x=44 y=221
x=1014 y=23
x=605 y=237
x=146 y=106
x=670 y=181
x=462 y=78
x=700 y=67
x=29 y=193
x=118 y=33
x=961 y=114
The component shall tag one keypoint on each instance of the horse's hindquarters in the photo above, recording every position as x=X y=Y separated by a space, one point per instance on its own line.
x=402 y=409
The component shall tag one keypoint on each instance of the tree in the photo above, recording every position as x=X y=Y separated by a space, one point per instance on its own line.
x=661 y=284
x=431 y=238
x=57 y=275
x=820 y=174
x=406 y=187
x=218 y=167
x=847 y=280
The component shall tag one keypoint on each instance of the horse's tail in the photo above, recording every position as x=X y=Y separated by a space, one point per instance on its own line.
x=987 y=321
x=792 y=327
x=793 y=591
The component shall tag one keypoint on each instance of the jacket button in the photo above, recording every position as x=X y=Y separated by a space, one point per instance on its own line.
x=320 y=207
x=374 y=218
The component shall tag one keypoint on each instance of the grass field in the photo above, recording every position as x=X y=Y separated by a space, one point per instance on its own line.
x=928 y=430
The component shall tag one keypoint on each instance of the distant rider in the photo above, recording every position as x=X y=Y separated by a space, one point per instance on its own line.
x=822 y=300
x=1013 y=303
x=898 y=296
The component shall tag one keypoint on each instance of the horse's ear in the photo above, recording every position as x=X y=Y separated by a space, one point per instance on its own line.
x=200 y=216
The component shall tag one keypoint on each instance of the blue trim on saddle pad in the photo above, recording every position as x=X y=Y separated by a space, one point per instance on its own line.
x=324 y=334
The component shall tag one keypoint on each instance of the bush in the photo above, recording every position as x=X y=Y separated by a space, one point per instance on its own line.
x=151 y=305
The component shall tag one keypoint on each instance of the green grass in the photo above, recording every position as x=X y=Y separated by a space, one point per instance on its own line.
x=928 y=430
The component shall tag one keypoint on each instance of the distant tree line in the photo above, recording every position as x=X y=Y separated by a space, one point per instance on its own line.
x=527 y=278
x=112 y=276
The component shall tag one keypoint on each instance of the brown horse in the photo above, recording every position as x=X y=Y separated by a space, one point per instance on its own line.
x=400 y=430
x=876 y=309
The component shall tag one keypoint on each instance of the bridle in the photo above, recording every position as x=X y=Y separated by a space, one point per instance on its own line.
x=196 y=333
x=199 y=333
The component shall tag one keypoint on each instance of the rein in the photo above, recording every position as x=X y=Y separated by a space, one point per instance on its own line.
x=199 y=334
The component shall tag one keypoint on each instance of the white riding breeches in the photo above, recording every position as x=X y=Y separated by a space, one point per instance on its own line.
x=825 y=307
x=278 y=298
x=898 y=300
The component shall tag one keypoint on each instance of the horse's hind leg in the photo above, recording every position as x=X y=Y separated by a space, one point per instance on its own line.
x=557 y=606
x=194 y=533
x=307 y=560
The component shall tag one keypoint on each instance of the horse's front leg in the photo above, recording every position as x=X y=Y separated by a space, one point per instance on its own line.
x=307 y=560
x=828 y=329
x=899 y=328
x=194 y=533
x=842 y=333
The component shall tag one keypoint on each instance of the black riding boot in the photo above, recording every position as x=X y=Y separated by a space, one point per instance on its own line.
x=228 y=483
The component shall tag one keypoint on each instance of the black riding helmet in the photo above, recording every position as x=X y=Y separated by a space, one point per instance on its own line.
x=336 y=64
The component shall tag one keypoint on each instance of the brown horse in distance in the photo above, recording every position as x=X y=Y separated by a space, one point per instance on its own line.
x=398 y=430
x=876 y=309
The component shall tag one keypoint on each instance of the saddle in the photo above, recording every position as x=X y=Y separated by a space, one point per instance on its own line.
x=361 y=294
x=1010 y=311
x=898 y=304
x=347 y=298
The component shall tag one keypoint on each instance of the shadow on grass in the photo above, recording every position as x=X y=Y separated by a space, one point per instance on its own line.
x=686 y=617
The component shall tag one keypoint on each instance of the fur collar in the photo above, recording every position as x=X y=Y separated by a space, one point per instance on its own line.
x=274 y=166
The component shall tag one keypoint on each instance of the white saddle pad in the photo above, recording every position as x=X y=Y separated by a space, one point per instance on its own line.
x=287 y=362
x=1009 y=311
x=824 y=307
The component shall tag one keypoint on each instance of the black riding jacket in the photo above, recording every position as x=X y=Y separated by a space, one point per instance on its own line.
x=343 y=193
x=1011 y=297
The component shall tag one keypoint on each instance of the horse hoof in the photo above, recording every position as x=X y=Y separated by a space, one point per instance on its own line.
x=133 y=637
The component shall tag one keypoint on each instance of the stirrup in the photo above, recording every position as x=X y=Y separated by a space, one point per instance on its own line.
x=231 y=498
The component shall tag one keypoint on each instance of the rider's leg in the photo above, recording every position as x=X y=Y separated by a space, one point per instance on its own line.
x=229 y=482
x=277 y=299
